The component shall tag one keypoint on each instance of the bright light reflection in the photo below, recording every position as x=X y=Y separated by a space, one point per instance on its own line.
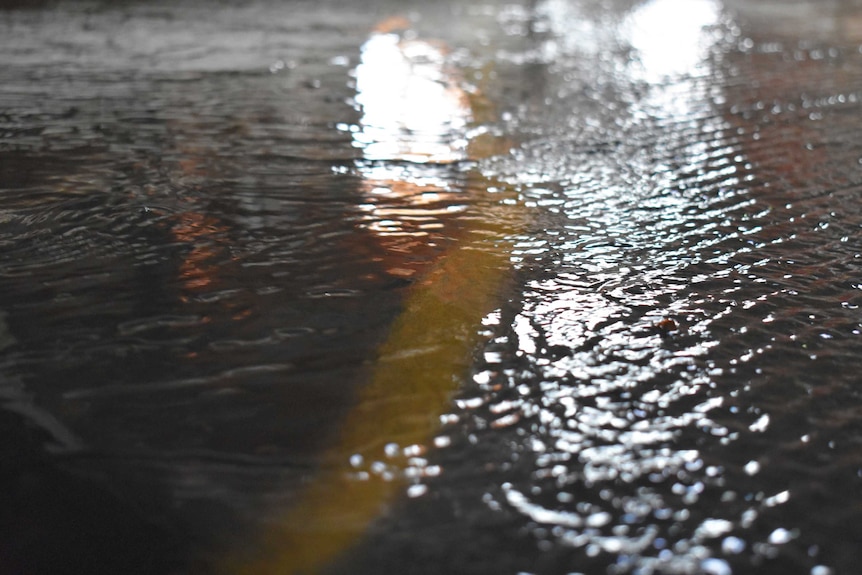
x=610 y=416
x=412 y=110
x=668 y=36
x=414 y=119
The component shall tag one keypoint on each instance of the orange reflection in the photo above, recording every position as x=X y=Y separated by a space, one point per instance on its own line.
x=416 y=120
x=198 y=270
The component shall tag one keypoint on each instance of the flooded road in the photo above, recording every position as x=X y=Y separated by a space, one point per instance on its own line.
x=547 y=287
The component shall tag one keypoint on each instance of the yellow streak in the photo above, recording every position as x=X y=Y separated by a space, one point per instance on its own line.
x=422 y=363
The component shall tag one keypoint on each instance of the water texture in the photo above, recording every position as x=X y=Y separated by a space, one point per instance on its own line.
x=218 y=221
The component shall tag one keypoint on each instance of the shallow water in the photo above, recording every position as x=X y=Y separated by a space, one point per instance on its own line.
x=249 y=251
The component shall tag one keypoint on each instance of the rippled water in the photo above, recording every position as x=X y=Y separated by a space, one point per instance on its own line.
x=246 y=247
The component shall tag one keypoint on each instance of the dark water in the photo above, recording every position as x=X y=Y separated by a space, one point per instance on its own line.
x=212 y=215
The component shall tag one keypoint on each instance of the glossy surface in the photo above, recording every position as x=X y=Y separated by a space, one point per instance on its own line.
x=249 y=251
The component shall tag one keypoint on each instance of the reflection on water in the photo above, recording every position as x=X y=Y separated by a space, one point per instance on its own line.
x=379 y=445
x=249 y=251
x=670 y=38
x=417 y=132
x=646 y=405
x=413 y=109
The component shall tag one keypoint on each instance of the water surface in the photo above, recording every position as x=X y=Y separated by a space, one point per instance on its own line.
x=620 y=236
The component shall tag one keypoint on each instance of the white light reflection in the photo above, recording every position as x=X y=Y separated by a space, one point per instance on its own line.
x=414 y=119
x=668 y=36
x=616 y=418
x=412 y=108
x=671 y=43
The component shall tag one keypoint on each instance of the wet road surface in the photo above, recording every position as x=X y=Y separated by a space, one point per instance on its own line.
x=552 y=287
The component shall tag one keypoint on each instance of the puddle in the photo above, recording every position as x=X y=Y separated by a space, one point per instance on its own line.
x=554 y=287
